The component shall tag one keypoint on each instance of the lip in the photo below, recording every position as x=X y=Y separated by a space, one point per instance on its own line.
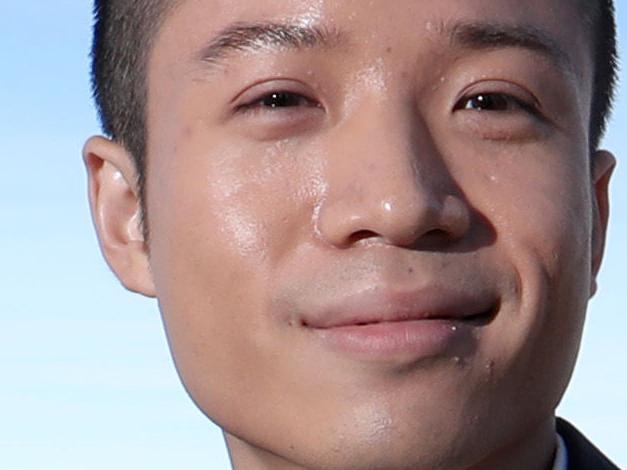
x=379 y=305
x=379 y=324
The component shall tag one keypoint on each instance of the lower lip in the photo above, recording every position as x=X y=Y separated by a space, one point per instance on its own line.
x=402 y=340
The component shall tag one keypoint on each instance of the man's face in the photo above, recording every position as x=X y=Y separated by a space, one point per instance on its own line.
x=374 y=225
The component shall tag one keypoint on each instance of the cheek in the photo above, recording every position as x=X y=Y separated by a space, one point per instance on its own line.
x=221 y=205
x=544 y=227
x=537 y=199
x=204 y=218
x=220 y=221
x=540 y=209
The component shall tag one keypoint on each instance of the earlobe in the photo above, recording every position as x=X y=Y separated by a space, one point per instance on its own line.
x=603 y=164
x=116 y=212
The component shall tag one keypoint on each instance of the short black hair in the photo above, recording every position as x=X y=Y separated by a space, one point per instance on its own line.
x=123 y=34
x=602 y=18
x=124 y=31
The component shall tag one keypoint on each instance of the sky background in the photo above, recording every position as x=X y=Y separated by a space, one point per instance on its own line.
x=86 y=380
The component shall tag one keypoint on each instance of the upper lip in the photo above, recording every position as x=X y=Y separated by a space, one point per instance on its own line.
x=377 y=305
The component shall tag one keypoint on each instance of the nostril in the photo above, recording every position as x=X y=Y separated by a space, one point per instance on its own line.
x=432 y=237
x=362 y=235
x=416 y=220
x=437 y=233
x=435 y=239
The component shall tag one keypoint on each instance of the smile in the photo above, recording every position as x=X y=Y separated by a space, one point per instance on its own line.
x=411 y=326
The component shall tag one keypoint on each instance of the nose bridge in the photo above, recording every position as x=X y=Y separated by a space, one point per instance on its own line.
x=385 y=178
x=381 y=133
x=387 y=150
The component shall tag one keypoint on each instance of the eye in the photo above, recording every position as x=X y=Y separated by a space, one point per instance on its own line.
x=283 y=99
x=495 y=102
x=510 y=114
x=277 y=100
x=277 y=109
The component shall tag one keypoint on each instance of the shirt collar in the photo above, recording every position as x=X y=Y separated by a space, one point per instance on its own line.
x=561 y=455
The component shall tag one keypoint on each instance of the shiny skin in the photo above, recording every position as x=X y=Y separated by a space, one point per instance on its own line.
x=382 y=174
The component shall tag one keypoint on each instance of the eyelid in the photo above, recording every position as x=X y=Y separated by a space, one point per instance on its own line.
x=526 y=98
x=260 y=89
x=513 y=102
x=258 y=104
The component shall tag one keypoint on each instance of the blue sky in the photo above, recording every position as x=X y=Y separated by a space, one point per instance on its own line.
x=86 y=380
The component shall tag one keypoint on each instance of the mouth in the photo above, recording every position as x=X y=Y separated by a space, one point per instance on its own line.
x=481 y=318
x=477 y=319
x=387 y=326
x=375 y=306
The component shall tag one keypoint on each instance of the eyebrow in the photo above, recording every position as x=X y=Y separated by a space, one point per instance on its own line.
x=251 y=37
x=258 y=36
x=498 y=36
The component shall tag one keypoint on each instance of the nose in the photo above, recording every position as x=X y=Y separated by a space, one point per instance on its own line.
x=387 y=183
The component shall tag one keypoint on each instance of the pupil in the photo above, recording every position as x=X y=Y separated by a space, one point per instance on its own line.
x=489 y=103
x=277 y=100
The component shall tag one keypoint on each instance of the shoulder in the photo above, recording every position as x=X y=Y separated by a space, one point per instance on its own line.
x=582 y=454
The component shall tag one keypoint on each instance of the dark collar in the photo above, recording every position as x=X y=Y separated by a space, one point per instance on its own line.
x=582 y=454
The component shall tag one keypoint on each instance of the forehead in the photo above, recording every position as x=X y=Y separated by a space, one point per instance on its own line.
x=192 y=24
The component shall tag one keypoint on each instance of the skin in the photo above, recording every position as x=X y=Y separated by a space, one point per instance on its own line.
x=382 y=177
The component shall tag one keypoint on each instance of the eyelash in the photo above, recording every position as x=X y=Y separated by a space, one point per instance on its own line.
x=504 y=100
x=273 y=100
x=283 y=99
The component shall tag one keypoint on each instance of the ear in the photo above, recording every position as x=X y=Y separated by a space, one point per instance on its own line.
x=603 y=164
x=116 y=212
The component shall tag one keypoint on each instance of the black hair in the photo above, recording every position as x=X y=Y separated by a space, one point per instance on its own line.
x=123 y=34
x=605 y=54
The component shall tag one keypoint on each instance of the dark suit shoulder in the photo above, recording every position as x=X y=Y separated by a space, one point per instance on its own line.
x=582 y=454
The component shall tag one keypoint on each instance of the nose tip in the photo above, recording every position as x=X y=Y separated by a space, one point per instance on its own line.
x=422 y=221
